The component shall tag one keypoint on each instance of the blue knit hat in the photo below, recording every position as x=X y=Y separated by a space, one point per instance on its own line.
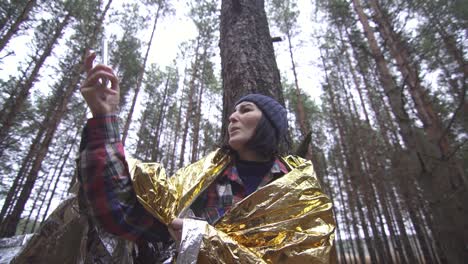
x=273 y=111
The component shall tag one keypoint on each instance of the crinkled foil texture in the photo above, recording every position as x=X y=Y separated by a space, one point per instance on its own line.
x=287 y=221
x=167 y=197
x=66 y=237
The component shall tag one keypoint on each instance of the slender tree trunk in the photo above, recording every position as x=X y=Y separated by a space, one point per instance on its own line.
x=65 y=158
x=350 y=254
x=23 y=16
x=9 y=224
x=348 y=170
x=15 y=188
x=15 y=104
x=300 y=114
x=449 y=214
x=190 y=105
x=140 y=80
x=160 y=121
x=46 y=182
x=198 y=113
x=392 y=91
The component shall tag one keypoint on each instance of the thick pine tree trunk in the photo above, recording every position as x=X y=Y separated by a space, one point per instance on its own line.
x=247 y=56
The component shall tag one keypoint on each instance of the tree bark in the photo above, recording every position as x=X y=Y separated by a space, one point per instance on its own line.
x=197 y=121
x=247 y=57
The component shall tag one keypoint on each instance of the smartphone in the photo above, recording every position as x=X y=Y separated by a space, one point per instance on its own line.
x=104 y=51
x=104 y=58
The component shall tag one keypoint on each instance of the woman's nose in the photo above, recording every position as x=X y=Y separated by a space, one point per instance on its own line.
x=233 y=117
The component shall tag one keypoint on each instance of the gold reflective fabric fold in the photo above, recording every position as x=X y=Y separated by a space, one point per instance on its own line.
x=289 y=220
x=167 y=197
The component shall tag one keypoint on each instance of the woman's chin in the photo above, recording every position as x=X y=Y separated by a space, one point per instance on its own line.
x=235 y=144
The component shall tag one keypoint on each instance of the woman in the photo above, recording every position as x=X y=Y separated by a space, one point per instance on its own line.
x=239 y=204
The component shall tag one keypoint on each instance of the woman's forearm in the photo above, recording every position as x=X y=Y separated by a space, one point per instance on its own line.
x=107 y=186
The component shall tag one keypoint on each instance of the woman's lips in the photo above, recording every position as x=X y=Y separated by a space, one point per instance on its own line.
x=234 y=129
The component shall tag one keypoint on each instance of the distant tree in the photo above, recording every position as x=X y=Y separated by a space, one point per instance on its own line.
x=13 y=16
x=47 y=35
x=160 y=8
x=63 y=91
x=284 y=16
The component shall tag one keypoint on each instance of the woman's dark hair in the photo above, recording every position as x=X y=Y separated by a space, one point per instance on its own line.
x=264 y=142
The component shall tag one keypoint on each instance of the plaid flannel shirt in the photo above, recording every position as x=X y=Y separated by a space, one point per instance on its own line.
x=106 y=183
x=107 y=186
x=227 y=190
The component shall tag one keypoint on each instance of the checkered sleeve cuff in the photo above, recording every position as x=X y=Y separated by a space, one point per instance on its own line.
x=102 y=130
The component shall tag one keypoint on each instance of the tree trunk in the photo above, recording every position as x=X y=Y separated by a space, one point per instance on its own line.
x=247 y=56
x=392 y=91
x=450 y=214
x=178 y=126
x=190 y=97
x=140 y=80
x=65 y=158
x=23 y=16
x=15 y=104
x=9 y=224
x=348 y=168
x=198 y=113
x=300 y=114
x=159 y=123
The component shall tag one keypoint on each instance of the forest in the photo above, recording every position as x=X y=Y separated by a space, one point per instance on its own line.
x=375 y=92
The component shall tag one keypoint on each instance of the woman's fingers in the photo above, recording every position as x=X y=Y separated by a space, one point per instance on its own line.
x=102 y=100
x=88 y=63
x=100 y=67
x=93 y=79
x=176 y=228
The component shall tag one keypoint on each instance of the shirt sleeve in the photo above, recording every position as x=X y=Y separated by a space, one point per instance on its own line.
x=107 y=186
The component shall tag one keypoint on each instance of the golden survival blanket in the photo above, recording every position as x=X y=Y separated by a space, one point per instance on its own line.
x=289 y=220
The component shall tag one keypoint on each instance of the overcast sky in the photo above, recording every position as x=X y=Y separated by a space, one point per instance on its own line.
x=173 y=30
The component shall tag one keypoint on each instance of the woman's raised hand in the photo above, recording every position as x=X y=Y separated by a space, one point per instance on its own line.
x=101 y=99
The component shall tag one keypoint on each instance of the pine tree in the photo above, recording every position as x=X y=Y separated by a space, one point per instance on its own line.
x=13 y=18
x=247 y=55
x=46 y=36
x=63 y=91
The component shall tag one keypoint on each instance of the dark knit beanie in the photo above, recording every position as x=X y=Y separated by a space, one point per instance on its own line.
x=273 y=111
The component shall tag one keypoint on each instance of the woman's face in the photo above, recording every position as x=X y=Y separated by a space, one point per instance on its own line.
x=242 y=124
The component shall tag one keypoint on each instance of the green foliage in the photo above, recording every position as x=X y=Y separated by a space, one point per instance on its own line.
x=125 y=52
x=284 y=14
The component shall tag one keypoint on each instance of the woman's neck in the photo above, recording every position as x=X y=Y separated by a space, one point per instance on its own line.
x=250 y=155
